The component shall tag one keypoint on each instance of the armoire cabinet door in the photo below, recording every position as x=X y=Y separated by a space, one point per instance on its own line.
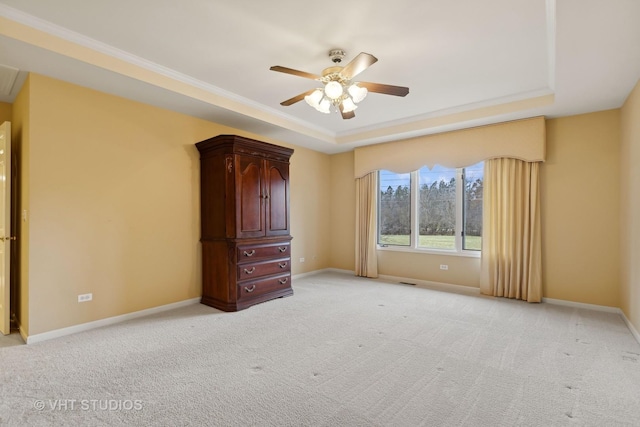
x=250 y=215
x=277 y=202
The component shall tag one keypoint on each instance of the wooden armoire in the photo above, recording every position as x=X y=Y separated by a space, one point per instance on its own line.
x=246 y=240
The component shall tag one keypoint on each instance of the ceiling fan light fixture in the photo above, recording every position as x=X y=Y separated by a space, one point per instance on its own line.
x=338 y=91
x=357 y=93
x=333 y=90
x=324 y=105
x=348 y=105
x=315 y=98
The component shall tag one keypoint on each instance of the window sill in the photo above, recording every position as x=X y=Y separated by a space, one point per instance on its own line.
x=468 y=254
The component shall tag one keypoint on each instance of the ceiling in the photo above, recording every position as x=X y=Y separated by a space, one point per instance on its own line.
x=466 y=62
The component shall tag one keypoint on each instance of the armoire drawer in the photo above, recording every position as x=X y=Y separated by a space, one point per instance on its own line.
x=248 y=253
x=263 y=268
x=254 y=288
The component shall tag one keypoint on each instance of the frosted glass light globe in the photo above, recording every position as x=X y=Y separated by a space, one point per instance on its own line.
x=333 y=90
x=314 y=98
x=357 y=93
x=348 y=105
x=324 y=106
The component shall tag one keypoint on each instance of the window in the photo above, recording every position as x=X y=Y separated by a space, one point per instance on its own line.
x=472 y=207
x=431 y=209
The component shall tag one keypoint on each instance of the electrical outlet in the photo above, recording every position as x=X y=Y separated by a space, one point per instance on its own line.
x=444 y=267
x=301 y=259
x=85 y=297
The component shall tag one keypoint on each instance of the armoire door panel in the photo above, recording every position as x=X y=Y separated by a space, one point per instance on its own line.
x=249 y=185
x=212 y=182
x=277 y=211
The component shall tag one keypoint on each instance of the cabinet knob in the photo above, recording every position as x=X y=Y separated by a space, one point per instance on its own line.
x=4 y=239
x=251 y=289
x=250 y=271
x=283 y=281
x=282 y=264
x=282 y=249
x=249 y=253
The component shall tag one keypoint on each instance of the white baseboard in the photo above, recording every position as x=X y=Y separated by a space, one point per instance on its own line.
x=632 y=328
x=595 y=307
x=582 y=305
x=420 y=283
x=32 y=339
x=447 y=287
x=437 y=286
x=103 y=322
x=338 y=270
x=310 y=273
x=323 y=270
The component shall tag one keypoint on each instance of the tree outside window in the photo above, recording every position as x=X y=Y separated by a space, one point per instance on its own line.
x=443 y=206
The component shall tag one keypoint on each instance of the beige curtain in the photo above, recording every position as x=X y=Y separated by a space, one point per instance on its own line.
x=366 y=206
x=511 y=242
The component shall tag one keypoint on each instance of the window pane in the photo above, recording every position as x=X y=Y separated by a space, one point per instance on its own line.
x=437 y=207
x=472 y=220
x=394 y=225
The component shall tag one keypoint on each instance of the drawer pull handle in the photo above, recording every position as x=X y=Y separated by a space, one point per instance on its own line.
x=250 y=271
x=282 y=249
x=249 y=253
x=283 y=281
x=251 y=289
x=282 y=264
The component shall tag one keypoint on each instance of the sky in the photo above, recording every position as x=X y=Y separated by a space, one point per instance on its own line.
x=428 y=176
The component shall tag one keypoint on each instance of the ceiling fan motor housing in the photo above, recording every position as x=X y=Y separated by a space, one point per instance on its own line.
x=336 y=55
x=331 y=73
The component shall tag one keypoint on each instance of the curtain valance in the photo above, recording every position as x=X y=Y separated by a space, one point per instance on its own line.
x=519 y=139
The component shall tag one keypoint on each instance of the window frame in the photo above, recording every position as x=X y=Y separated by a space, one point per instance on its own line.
x=414 y=237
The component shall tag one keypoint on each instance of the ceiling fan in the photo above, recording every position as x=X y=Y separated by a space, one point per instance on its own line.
x=338 y=89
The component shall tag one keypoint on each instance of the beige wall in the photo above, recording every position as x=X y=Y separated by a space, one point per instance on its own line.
x=580 y=261
x=5 y=112
x=580 y=209
x=343 y=212
x=310 y=210
x=463 y=271
x=113 y=193
x=630 y=208
x=111 y=189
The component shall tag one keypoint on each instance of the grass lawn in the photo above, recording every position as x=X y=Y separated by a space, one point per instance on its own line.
x=432 y=242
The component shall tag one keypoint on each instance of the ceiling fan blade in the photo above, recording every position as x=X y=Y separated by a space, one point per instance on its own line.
x=385 y=89
x=347 y=116
x=295 y=72
x=296 y=98
x=357 y=65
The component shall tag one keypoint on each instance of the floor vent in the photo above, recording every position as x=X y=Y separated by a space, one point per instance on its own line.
x=407 y=283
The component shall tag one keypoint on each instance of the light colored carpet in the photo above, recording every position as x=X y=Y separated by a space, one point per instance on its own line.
x=342 y=351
